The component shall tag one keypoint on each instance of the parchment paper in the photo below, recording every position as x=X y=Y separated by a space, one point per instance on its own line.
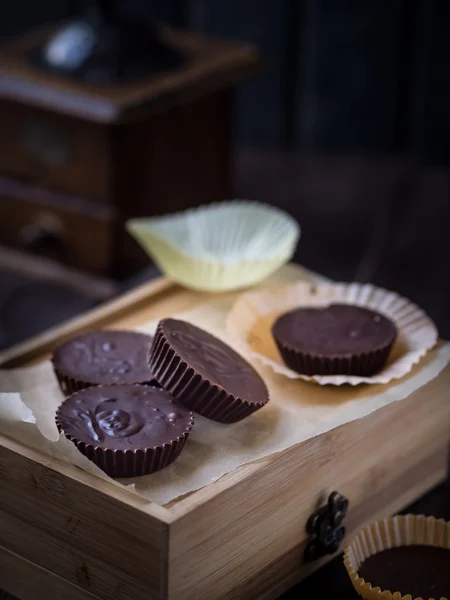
x=297 y=411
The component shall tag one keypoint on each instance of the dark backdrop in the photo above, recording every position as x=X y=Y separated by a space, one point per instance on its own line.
x=342 y=75
x=358 y=93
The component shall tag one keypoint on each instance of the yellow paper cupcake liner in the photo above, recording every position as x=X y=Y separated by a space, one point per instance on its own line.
x=402 y=530
x=219 y=247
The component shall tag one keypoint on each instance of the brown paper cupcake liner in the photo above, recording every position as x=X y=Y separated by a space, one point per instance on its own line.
x=362 y=365
x=70 y=385
x=402 y=530
x=192 y=390
x=130 y=463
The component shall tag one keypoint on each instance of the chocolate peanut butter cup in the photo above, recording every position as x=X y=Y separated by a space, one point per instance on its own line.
x=403 y=557
x=340 y=339
x=126 y=430
x=102 y=357
x=205 y=374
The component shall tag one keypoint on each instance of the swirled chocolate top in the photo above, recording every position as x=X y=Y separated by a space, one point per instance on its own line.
x=123 y=417
x=99 y=357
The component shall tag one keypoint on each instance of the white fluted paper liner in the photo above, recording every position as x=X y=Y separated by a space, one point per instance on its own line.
x=219 y=247
x=402 y=530
x=250 y=321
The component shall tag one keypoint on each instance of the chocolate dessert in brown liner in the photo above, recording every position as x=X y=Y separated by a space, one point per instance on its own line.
x=103 y=357
x=205 y=374
x=422 y=571
x=340 y=339
x=126 y=430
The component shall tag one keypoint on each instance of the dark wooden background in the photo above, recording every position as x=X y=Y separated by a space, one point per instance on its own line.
x=342 y=75
x=348 y=128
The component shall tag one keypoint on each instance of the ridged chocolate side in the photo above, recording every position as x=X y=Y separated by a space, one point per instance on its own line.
x=360 y=365
x=191 y=389
x=130 y=463
x=70 y=385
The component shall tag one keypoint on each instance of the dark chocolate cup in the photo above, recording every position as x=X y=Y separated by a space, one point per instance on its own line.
x=394 y=533
x=194 y=391
x=361 y=365
x=70 y=385
x=130 y=463
x=73 y=380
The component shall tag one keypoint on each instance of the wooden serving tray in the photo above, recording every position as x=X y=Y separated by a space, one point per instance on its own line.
x=66 y=534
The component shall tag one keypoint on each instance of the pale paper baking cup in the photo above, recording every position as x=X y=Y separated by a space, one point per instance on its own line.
x=219 y=247
x=402 y=530
x=250 y=321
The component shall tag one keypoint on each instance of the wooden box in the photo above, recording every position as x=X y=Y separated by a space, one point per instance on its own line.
x=66 y=534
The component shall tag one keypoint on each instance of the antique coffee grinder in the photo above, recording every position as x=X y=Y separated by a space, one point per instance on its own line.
x=104 y=118
x=102 y=47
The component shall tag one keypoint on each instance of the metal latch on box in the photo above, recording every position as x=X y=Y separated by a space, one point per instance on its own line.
x=325 y=528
